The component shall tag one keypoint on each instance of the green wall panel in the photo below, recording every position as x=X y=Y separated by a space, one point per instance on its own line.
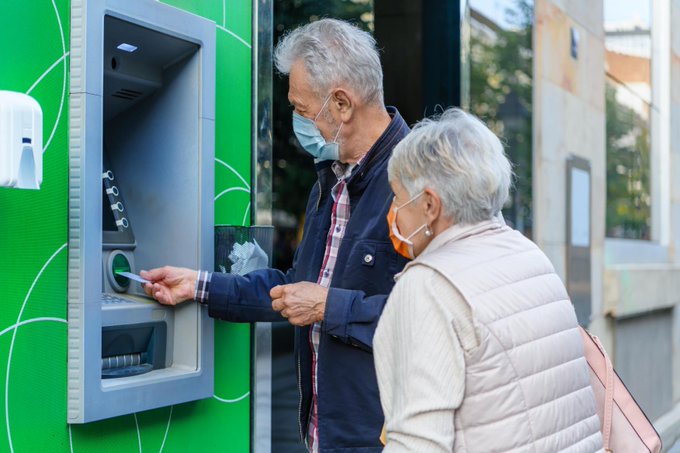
x=33 y=60
x=232 y=113
x=233 y=20
x=34 y=45
x=238 y=19
x=210 y=9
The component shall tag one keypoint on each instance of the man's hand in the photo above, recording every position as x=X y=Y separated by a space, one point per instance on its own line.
x=301 y=303
x=170 y=285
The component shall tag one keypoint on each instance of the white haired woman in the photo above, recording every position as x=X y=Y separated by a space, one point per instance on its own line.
x=477 y=349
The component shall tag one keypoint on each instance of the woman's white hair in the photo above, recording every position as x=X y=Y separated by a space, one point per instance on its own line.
x=459 y=158
x=334 y=53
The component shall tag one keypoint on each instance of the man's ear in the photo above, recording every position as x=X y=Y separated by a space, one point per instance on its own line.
x=344 y=103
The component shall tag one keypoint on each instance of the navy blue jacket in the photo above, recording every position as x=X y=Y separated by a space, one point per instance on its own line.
x=350 y=415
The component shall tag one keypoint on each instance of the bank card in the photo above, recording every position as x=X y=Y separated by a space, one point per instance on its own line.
x=132 y=276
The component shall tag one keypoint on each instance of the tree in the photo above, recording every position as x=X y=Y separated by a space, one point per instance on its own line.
x=628 y=169
x=501 y=74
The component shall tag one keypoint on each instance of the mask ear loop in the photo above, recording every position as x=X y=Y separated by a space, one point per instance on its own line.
x=337 y=134
x=415 y=232
x=322 y=107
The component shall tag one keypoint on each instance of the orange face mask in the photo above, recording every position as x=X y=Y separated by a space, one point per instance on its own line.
x=403 y=245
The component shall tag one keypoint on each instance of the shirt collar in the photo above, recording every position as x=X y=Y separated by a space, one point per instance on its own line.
x=395 y=131
x=341 y=170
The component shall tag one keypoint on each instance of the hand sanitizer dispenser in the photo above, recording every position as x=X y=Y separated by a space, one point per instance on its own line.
x=21 y=144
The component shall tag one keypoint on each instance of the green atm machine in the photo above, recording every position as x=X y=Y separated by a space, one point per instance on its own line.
x=141 y=188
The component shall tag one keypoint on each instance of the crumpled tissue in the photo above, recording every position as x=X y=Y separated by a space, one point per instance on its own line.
x=247 y=257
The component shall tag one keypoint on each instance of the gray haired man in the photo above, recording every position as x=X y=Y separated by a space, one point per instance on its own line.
x=345 y=264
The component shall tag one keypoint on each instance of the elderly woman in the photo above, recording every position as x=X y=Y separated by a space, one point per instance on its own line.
x=477 y=349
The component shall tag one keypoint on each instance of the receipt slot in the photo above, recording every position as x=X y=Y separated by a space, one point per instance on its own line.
x=141 y=181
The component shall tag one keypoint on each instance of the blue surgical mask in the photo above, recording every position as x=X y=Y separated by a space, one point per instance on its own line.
x=310 y=137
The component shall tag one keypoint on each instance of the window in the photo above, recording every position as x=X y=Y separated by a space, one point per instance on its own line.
x=629 y=106
x=501 y=72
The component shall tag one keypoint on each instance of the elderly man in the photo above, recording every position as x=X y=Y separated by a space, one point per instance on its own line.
x=345 y=263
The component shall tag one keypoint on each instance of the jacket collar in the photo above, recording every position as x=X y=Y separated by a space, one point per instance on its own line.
x=377 y=154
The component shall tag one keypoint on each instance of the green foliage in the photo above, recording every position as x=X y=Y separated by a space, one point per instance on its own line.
x=501 y=76
x=628 y=169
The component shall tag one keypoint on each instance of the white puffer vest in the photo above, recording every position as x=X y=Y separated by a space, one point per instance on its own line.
x=527 y=386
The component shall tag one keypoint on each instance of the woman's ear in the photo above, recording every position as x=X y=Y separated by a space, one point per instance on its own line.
x=433 y=205
x=343 y=101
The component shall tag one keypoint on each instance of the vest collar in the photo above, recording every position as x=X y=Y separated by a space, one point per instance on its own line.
x=453 y=233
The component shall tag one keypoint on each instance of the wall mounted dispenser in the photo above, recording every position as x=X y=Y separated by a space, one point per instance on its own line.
x=21 y=144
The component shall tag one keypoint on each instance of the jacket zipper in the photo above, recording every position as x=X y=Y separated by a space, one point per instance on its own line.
x=318 y=200
x=299 y=383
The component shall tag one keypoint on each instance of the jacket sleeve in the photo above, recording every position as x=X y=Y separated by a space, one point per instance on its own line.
x=245 y=298
x=352 y=317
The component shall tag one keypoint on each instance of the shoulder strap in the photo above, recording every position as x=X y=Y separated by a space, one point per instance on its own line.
x=608 y=394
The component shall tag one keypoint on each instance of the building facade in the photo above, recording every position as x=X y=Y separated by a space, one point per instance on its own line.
x=631 y=72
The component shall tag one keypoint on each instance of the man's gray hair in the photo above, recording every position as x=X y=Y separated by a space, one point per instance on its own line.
x=334 y=53
x=459 y=158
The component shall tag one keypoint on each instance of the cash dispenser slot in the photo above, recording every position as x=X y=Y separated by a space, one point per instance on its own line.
x=133 y=350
